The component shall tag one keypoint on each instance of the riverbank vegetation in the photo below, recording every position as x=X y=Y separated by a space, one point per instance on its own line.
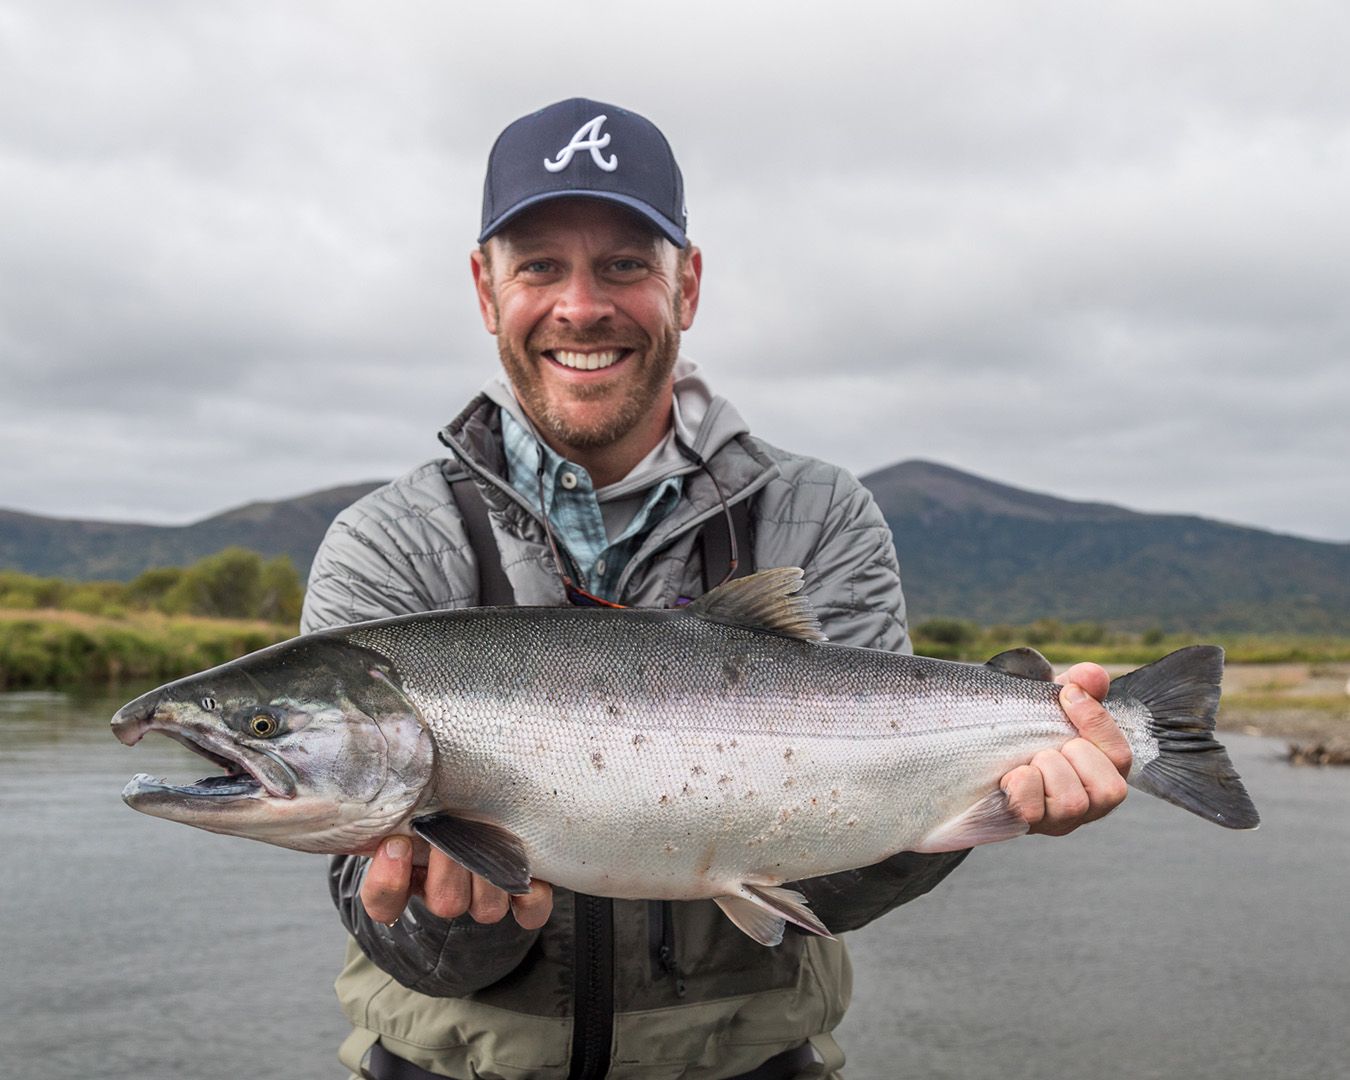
x=232 y=584
x=168 y=622
x=46 y=649
x=1064 y=643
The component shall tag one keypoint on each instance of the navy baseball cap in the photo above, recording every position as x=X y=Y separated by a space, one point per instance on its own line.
x=580 y=147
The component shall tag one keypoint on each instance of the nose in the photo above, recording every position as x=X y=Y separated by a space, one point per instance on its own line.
x=133 y=719
x=583 y=301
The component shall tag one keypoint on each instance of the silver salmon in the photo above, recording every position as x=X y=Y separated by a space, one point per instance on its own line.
x=717 y=751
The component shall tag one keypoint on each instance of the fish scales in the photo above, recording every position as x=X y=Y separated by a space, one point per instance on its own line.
x=717 y=751
x=649 y=724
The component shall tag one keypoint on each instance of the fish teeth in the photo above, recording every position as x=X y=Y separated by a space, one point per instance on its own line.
x=587 y=361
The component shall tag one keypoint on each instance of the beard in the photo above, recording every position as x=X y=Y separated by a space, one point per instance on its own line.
x=650 y=364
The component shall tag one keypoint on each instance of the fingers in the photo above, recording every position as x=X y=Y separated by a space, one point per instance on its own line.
x=1026 y=794
x=388 y=880
x=1066 y=800
x=1086 y=712
x=533 y=909
x=1101 y=777
x=489 y=903
x=1091 y=677
x=1083 y=780
x=451 y=891
x=448 y=890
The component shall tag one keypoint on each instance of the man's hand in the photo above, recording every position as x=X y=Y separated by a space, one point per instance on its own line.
x=1083 y=780
x=399 y=870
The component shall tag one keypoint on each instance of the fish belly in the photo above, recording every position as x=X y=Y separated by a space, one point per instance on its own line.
x=672 y=814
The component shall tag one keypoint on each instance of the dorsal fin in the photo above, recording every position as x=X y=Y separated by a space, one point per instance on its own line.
x=763 y=601
x=1024 y=662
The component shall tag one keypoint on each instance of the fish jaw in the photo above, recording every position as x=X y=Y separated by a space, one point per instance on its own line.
x=344 y=763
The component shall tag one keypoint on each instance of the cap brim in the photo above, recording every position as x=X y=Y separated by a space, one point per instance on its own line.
x=664 y=225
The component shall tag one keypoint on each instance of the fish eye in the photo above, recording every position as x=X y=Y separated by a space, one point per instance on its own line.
x=209 y=703
x=262 y=725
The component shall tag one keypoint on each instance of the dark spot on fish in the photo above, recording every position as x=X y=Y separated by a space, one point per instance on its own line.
x=920 y=675
x=663 y=800
x=638 y=740
x=814 y=801
x=612 y=709
x=789 y=781
x=697 y=770
x=686 y=790
x=724 y=779
x=733 y=670
x=895 y=726
x=598 y=760
x=721 y=749
x=787 y=754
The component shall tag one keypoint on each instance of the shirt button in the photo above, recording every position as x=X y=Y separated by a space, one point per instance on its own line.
x=600 y=567
x=568 y=480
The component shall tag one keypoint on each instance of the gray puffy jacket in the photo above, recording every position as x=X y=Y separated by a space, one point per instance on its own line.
x=690 y=996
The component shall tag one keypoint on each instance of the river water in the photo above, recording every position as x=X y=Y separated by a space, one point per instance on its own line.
x=1150 y=945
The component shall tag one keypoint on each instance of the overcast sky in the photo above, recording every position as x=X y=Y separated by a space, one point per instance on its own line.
x=1099 y=250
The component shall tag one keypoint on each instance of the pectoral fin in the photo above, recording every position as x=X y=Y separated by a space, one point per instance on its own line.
x=762 y=910
x=987 y=822
x=480 y=847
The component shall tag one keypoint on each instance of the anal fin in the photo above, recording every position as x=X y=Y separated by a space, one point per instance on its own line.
x=482 y=848
x=762 y=910
x=761 y=924
x=987 y=822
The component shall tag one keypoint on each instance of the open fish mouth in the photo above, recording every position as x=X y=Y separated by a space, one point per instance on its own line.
x=225 y=785
x=248 y=774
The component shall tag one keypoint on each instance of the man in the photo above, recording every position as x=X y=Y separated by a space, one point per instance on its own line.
x=586 y=278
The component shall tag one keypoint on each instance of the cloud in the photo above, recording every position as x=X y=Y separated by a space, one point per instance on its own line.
x=1093 y=250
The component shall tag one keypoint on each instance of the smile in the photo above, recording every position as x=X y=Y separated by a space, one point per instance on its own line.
x=586 y=361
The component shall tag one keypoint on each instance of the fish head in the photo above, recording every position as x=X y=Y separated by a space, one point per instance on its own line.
x=321 y=748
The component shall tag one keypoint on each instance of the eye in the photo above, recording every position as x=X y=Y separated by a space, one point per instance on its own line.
x=208 y=704
x=263 y=725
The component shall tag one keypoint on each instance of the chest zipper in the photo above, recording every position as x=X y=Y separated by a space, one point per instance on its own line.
x=661 y=941
x=592 y=987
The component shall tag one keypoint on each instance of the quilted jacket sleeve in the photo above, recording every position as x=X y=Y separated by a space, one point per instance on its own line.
x=362 y=572
x=853 y=578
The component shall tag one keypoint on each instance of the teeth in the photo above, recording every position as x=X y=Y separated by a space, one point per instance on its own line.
x=587 y=361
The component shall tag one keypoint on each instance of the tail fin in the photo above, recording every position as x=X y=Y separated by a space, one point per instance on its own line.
x=1180 y=693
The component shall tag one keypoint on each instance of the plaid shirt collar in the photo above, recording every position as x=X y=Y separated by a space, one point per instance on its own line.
x=573 y=507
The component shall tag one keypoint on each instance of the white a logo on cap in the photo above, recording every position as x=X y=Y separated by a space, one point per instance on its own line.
x=588 y=137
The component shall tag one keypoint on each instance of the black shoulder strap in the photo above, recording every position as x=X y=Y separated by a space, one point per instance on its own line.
x=494 y=590
x=716 y=545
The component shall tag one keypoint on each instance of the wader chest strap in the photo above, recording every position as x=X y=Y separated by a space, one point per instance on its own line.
x=494 y=589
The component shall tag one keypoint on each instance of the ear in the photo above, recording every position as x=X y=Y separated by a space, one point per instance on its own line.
x=690 y=278
x=482 y=283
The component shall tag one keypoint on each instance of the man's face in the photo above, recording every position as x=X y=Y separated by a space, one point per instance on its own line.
x=587 y=304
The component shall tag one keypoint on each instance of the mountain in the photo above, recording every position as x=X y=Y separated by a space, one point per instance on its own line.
x=969 y=548
x=88 y=550
x=976 y=549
